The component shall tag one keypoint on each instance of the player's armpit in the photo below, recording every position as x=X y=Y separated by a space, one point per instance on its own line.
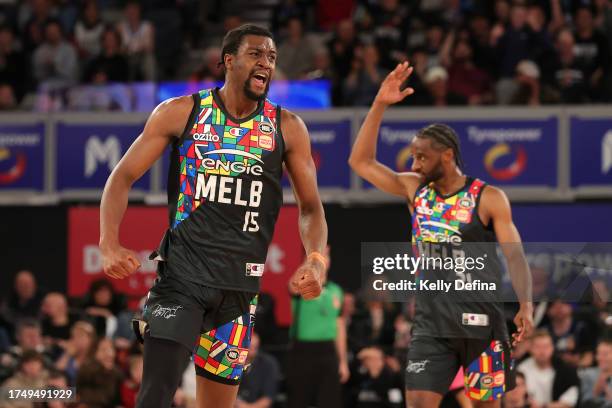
x=303 y=175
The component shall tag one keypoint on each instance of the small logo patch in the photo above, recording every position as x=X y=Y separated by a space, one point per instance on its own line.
x=254 y=269
x=265 y=128
x=232 y=355
x=265 y=142
x=487 y=381
x=416 y=366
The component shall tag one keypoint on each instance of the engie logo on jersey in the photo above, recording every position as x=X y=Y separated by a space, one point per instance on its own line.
x=254 y=269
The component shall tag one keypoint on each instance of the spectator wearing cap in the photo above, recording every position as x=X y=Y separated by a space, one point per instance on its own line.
x=548 y=379
x=31 y=375
x=526 y=89
x=436 y=82
x=596 y=382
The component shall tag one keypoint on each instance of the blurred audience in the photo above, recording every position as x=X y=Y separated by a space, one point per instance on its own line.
x=55 y=62
x=596 y=382
x=138 y=42
x=260 y=383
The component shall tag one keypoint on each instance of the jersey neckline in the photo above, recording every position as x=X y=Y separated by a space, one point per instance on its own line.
x=468 y=181
x=219 y=102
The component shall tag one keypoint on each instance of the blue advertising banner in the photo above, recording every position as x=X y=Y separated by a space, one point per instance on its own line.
x=331 y=144
x=22 y=156
x=86 y=154
x=591 y=151
x=515 y=153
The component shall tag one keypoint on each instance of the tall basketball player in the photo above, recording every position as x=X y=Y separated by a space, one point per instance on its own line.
x=449 y=333
x=224 y=195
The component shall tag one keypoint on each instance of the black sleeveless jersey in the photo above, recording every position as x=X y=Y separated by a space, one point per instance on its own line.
x=224 y=195
x=448 y=226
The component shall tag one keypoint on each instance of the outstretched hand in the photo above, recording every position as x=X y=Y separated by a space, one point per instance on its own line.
x=390 y=91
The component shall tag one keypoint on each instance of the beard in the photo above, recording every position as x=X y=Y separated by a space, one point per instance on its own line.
x=251 y=94
x=435 y=174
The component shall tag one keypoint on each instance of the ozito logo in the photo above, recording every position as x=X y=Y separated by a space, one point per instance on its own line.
x=205 y=137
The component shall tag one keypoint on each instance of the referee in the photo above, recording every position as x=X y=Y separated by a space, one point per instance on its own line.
x=317 y=355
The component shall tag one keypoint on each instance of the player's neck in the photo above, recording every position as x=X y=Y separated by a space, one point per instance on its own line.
x=236 y=102
x=450 y=183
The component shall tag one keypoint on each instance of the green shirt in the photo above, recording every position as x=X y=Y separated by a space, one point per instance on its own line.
x=315 y=320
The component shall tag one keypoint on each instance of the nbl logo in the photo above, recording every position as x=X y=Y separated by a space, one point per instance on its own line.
x=205 y=137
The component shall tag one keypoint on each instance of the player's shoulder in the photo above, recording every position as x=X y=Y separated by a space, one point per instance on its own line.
x=290 y=118
x=175 y=105
x=494 y=197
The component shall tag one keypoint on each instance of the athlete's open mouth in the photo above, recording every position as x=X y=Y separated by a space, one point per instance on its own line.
x=260 y=79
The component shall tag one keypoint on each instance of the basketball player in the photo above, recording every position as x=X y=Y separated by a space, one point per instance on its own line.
x=224 y=195
x=448 y=334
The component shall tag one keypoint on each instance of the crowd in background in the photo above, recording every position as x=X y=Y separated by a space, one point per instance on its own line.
x=48 y=340
x=465 y=52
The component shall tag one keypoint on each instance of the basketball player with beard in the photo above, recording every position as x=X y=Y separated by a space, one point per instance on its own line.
x=224 y=195
x=449 y=209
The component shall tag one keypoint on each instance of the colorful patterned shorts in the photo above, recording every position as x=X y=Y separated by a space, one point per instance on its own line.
x=222 y=352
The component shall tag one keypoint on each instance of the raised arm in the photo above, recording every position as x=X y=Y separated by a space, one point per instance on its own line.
x=497 y=207
x=312 y=224
x=168 y=120
x=363 y=155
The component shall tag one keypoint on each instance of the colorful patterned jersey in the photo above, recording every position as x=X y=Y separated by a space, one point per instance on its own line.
x=441 y=224
x=224 y=194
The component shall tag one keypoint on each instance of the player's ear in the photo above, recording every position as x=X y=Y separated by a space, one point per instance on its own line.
x=448 y=155
x=228 y=60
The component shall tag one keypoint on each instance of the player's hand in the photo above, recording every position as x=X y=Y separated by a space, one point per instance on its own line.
x=307 y=281
x=524 y=323
x=119 y=262
x=390 y=91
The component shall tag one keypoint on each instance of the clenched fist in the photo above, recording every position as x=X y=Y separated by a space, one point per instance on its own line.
x=119 y=262
x=307 y=281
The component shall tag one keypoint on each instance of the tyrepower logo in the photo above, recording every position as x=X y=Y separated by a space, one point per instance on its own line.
x=502 y=152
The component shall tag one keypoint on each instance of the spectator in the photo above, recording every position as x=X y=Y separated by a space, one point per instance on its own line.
x=28 y=338
x=77 y=349
x=467 y=80
x=211 y=69
x=138 y=40
x=548 y=380
x=131 y=385
x=13 y=64
x=433 y=46
x=103 y=304
x=592 y=54
x=436 y=81
x=25 y=299
x=484 y=54
x=518 y=396
x=98 y=380
x=56 y=321
x=574 y=339
x=342 y=50
x=34 y=30
x=55 y=61
x=8 y=101
x=331 y=13
x=390 y=26
x=526 y=89
x=260 y=383
x=361 y=85
x=111 y=65
x=596 y=382
x=321 y=68
x=295 y=54
x=88 y=31
x=373 y=383
x=318 y=346
x=568 y=76
x=30 y=375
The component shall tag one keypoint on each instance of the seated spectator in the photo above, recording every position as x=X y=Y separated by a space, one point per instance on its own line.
x=111 y=65
x=211 y=69
x=466 y=79
x=88 y=31
x=55 y=61
x=518 y=396
x=596 y=382
x=98 y=381
x=131 y=385
x=77 y=349
x=436 y=81
x=56 y=321
x=33 y=33
x=139 y=43
x=341 y=50
x=296 y=52
x=31 y=374
x=24 y=300
x=102 y=304
x=13 y=64
x=373 y=383
x=260 y=383
x=29 y=338
x=8 y=101
x=592 y=54
x=361 y=85
x=574 y=339
x=321 y=67
x=526 y=89
x=549 y=380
